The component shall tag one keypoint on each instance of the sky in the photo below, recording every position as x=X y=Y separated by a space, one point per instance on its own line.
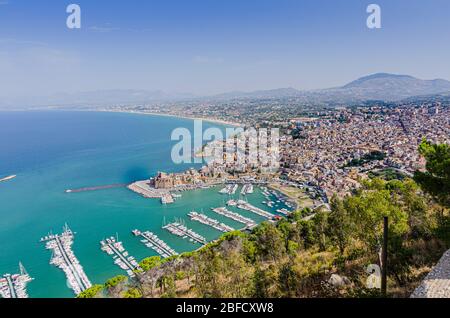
x=208 y=47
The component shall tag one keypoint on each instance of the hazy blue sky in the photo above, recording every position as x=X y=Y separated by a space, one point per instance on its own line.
x=207 y=47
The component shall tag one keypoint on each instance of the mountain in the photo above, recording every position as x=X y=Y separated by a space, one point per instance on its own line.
x=392 y=87
x=272 y=93
x=380 y=86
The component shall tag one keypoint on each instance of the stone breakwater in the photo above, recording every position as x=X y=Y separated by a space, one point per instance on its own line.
x=437 y=283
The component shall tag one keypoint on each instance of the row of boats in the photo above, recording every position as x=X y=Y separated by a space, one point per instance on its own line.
x=279 y=199
x=234 y=216
x=202 y=218
x=152 y=241
x=179 y=229
x=128 y=263
x=247 y=189
x=244 y=205
x=64 y=258
x=229 y=189
x=14 y=285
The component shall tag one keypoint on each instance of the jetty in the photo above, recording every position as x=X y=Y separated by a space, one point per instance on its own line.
x=202 y=218
x=113 y=247
x=235 y=216
x=64 y=258
x=14 y=286
x=181 y=230
x=244 y=205
x=247 y=189
x=167 y=198
x=105 y=187
x=229 y=189
x=152 y=241
x=7 y=178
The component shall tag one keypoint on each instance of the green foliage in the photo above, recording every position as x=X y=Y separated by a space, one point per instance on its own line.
x=269 y=241
x=367 y=209
x=387 y=174
x=436 y=180
x=113 y=282
x=374 y=155
x=150 y=262
x=92 y=292
x=339 y=229
x=133 y=293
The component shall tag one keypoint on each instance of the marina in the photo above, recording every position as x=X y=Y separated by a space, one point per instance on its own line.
x=167 y=199
x=152 y=241
x=181 y=230
x=244 y=205
x=14 y=286
x=195 y=216
x=113 y=247
x=64 y=258
x=247 y=189
x=234 y=216
x=229 y=189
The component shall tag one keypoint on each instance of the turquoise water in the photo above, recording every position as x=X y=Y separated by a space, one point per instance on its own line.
x=54 y=151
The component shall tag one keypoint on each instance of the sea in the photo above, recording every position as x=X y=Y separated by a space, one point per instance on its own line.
x=52 y=151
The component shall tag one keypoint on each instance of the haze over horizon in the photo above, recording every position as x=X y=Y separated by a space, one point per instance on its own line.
x=207 y=48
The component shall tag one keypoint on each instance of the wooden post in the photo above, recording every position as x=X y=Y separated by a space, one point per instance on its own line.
x=384 y=257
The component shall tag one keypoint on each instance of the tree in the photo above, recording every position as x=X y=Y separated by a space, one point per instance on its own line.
x=367 y=209
x=436 y=179
x=339 y=225
x=93 y=292
x=150 y=262
x=269 y=241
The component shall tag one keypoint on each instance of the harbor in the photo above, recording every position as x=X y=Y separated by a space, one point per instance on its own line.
x=152 y=241
x=64 y=258
x=234 y=216
x=229 y=189
x=181 y=230
x=195 y=216
x=14 y=285
x=244 y=205
x=113 y=247
x=247 y=189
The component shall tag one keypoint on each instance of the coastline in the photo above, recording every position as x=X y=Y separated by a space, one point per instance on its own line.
x=210 y=120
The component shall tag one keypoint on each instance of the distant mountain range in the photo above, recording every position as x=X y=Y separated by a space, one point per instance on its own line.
x=380 y=86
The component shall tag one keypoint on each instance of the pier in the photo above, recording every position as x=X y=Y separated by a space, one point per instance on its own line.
x=7 y=178
x=152 y=241
x=14 y=286
x=229 y=189
x=167 y=198
x=180 y=230
x=247 y=189
x=64 y=258
x=235 y=216
x=113 y=247
x=195 y=216
x=243 y=205
x=105 y=187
